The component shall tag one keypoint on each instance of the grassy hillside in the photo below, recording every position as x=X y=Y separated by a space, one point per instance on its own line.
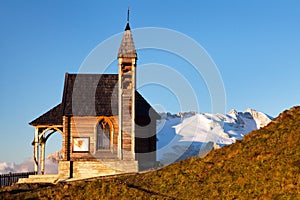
x=265 y=164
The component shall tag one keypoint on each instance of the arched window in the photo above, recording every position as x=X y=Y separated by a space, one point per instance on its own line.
x=103 y=136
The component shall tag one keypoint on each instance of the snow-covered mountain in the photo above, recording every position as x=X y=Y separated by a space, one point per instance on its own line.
x=190 y=134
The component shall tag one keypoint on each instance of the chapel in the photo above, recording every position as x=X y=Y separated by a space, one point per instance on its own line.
x=107 y=126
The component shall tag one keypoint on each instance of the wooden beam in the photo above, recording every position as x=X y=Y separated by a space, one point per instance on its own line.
x=42 y=158
x=46 y=138
x=36 y=150
x=120 y=153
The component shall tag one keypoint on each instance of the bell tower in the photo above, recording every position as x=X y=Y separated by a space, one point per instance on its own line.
x=127 y=58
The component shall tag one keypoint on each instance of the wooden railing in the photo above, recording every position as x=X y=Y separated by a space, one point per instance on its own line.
x=9 y=179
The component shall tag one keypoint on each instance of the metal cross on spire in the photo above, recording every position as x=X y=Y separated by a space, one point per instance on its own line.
x=128 y=14
x=127 y=25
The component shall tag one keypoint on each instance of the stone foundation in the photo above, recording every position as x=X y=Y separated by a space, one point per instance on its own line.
x=88 y=169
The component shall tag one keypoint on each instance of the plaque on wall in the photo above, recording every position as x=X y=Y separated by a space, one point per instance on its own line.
x=81 y=144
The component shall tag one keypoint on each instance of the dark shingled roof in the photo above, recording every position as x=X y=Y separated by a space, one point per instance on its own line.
x=127 y=48
x=91 y=95
x=52 y=117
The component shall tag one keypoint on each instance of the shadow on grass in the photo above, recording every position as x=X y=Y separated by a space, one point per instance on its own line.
x=149 y=191
x=19 y=189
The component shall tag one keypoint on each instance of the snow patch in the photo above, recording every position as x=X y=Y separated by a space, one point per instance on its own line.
x=190 y=134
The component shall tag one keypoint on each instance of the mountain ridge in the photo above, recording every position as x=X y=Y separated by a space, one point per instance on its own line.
x=191 y=134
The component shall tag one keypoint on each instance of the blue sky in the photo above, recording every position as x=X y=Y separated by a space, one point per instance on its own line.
x=255 y=45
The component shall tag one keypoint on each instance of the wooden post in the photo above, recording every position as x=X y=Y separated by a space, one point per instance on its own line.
x=120 y=153
x=36 y=150
x=68 y=148
x=133 y=68
x=42 y=159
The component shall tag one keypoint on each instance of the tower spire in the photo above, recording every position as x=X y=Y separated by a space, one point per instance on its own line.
x=126 y=95
x=127 y=48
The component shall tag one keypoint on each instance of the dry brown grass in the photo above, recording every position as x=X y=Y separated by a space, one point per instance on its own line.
x=265 y=164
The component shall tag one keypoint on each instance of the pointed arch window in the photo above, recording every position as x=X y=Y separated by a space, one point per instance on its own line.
x=103 y=136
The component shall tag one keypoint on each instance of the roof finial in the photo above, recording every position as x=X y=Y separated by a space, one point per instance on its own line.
x=128 y=14
x=127 y=25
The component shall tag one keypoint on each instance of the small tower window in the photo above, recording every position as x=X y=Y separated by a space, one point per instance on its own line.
x=126 y=67
x=127 y=76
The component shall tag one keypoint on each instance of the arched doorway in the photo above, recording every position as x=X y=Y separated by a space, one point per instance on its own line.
x=104 y=135
x=53 y=153
x=41 y=137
